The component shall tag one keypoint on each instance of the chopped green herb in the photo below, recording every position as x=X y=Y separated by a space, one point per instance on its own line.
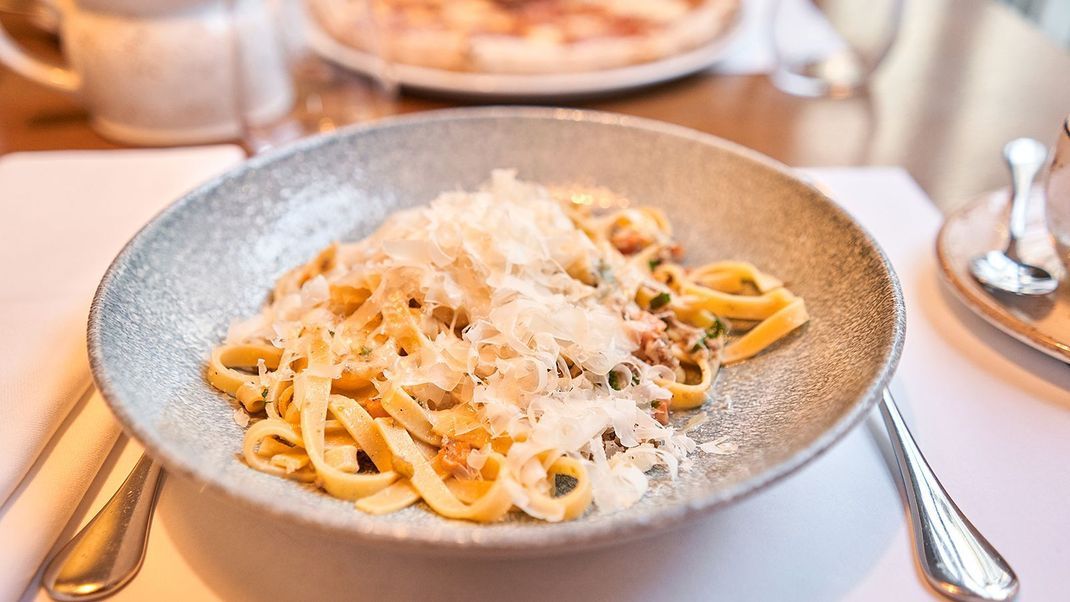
x=699 y=345
x=654 y=263
x=563 y=484
x=635 y=378
x=659 y=301
x=264 y=393
x=365 y=350
x=614 y=381
x=717 y=329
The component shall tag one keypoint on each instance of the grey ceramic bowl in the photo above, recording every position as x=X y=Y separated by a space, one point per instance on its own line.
x=214 y=254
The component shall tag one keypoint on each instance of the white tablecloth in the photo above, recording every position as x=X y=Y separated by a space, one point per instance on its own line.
x=992 y=415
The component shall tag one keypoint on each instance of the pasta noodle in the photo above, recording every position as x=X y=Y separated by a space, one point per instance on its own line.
x=512 y=348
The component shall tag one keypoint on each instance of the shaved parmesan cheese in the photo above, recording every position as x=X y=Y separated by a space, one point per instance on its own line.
x=696 y=421
x=720 y=447
x=477 y=458
x=475 y=287
x=241 y=418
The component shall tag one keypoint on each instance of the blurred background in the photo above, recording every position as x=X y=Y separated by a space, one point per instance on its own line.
x=932 y=85
x=1053 y=16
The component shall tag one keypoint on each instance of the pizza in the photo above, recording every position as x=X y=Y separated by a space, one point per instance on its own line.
x=524 y=36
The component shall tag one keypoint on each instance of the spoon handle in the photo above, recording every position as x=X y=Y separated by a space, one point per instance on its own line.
x=106 y=554
x=1023 y=173
x=956 y=559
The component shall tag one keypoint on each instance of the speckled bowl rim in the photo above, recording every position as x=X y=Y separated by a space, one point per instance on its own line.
x=974 y=297
x=570 y=536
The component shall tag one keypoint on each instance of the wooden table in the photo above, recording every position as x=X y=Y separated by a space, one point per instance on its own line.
x=964 y=77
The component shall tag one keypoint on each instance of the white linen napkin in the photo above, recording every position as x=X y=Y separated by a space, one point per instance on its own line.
x=66 y=215
x=990 y=413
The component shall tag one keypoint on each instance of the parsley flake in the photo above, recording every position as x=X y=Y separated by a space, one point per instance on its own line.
x=716 y=329
x=614 y=381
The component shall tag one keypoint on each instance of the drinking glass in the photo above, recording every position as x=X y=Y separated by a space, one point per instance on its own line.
x=327 y=96
x=830 y=48
x=1057 y=204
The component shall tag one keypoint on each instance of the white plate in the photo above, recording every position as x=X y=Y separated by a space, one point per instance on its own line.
x=527 y=86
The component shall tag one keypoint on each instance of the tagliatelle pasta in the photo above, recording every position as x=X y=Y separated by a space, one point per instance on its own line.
x=517 y=347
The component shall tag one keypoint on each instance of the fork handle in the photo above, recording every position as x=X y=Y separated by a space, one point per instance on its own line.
x=956 y=559
x=106 y=554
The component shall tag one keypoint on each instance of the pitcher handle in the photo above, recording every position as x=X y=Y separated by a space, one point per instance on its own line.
x=57 y=77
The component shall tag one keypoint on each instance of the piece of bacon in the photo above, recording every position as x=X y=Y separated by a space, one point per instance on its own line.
x=654 y=344
x=453 y=458
x=629 y=241
x=661 y=412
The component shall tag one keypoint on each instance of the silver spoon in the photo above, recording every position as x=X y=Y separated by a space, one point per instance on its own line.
x=106 y=554
x=956 y=559
x=1004 y=270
